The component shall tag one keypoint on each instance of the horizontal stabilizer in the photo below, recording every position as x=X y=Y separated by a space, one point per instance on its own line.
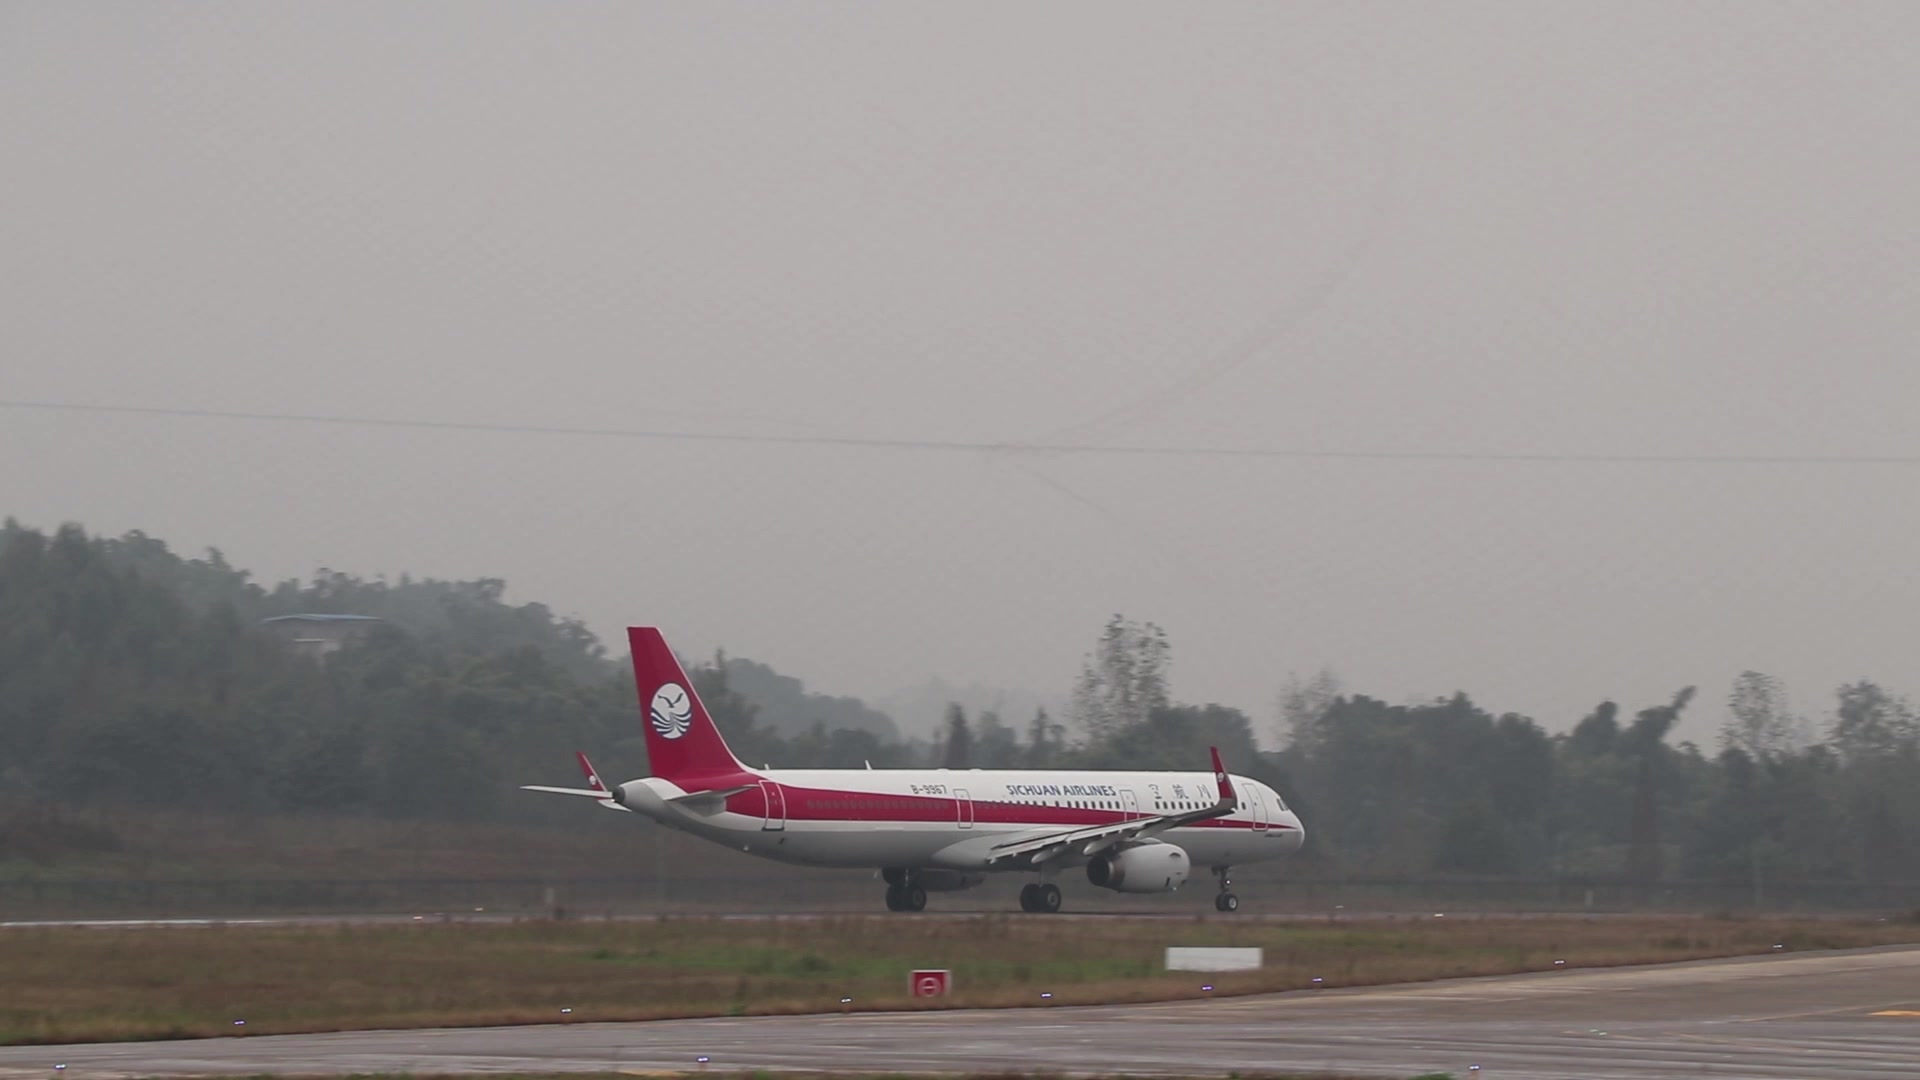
x=605 y=799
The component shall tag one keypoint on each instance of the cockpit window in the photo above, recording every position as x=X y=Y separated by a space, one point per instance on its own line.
x=1278 y=801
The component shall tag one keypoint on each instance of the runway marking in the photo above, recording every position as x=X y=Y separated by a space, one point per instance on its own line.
x=1803 y=1014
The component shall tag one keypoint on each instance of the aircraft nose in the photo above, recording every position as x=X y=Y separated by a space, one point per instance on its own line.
x=1296 y=836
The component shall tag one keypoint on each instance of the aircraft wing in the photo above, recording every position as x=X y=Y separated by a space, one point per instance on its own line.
x=1097 y=838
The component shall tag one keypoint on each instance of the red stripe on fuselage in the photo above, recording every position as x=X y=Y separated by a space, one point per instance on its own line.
x=821 y=804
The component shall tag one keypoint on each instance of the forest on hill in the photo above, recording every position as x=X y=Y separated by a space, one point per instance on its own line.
x=131 y=676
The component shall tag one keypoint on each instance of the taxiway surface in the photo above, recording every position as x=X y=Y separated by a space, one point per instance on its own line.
x=1842 y=1015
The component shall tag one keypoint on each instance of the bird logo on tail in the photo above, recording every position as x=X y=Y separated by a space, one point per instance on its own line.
x=672 y=711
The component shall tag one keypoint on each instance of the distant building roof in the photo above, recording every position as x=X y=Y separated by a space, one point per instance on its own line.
x=323 y=618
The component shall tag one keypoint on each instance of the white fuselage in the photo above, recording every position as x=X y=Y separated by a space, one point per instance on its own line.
x=953 y=819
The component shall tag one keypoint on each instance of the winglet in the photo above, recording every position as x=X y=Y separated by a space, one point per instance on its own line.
x=594 y=789
x=593 y=778
x=1220 y=778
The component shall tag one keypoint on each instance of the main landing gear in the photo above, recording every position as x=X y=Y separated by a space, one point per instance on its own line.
x=1226 y=901
x=906 y=898
x=1040 y=896
x=903 y=892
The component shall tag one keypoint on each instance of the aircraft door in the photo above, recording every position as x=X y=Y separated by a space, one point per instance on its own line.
x=1250 y=794
x=963 y=807
x=776 y=806
x=1128 y=803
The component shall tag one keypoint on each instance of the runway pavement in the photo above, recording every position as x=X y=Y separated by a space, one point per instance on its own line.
x=1841 y=1015
x=484 y=918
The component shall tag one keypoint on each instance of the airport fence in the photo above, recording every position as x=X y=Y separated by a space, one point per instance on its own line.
x=854 y=892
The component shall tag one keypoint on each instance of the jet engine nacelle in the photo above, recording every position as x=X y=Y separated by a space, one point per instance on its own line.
x=1144 y=868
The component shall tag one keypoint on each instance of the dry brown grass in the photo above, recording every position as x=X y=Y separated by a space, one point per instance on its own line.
x=764 y=1074
x=76 y=984
x=162 y=844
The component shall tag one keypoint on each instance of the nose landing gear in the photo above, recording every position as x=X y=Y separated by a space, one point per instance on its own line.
x=1226 y=901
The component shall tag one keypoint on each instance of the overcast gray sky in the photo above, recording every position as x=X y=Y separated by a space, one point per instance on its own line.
x=1538 y=231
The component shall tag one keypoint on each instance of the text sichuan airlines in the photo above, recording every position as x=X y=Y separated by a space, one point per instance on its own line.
x=1101 y=790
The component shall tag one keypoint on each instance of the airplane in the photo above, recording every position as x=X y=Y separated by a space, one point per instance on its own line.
x=941 y=830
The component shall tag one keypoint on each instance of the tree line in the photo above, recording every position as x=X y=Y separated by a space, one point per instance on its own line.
x=133 y=676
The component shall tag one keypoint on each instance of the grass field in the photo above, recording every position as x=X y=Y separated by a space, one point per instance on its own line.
x=79 y=984
x=765 y=1075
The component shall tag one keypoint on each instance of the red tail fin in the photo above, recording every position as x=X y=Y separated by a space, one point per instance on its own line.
x=681 y=738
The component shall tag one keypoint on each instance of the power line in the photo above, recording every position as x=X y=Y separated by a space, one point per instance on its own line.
x=965 y=446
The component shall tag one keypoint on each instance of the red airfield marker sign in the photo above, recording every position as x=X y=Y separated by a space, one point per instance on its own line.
x=931 y=983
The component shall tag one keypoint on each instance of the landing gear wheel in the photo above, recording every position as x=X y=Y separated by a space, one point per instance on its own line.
x=893 y=897
x=1046 y=898
x=1226 y=901
x=1027 y=900
x=913 y=898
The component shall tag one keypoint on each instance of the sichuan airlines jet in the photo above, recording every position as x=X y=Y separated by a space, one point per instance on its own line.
x=936 y=830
